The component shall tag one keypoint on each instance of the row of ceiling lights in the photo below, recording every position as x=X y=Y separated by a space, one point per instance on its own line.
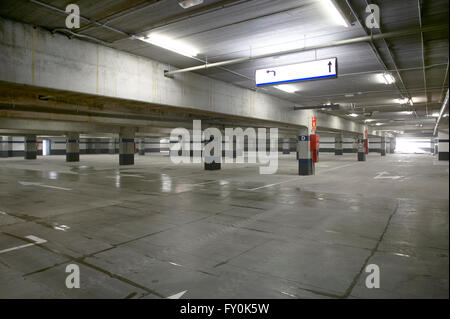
x=328 y=5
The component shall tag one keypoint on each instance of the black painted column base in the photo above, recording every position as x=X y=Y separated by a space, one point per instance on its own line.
x=361 y=156
x=213 y=166
x=443 y=156
x=72 y=157
x=30 y=155
x=126 y=159
x=383 y=153
x=338 y=152
x=3 y=154
x=141 y=152
x=305 y=167
x=285 y=152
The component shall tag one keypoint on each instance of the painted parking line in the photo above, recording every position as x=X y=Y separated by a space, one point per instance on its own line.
x=270 y=185
x=290 y=180
x=178 y=295
x=385 y=175
x=43 y=185
x=37 y=241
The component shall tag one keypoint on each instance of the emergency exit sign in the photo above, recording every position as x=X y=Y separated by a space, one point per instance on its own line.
x=313 y=70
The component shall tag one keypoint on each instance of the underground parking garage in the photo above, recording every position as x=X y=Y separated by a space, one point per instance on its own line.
x=224 y=149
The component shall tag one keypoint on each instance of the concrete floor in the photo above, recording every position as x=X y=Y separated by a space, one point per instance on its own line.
x=156 y=229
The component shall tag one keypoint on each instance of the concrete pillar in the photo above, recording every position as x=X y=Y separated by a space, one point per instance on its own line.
x=30 y=147
x=126 y=146
x=305 y=162
x=338 y=146
x=142 y=146
x=361 y=150
x=392 y=146
x=73 y=147
x=383 y=146
x=443 y=146
x=4 y=146
x=286 y=147
x=212 y=163
x=112 y=146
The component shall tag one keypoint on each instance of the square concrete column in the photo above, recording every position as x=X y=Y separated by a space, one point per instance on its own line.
x=305 y=161
x=141 y=146
x=338 y=146
x=72 y=147
x=112 y=146
x=361 y=150
x=212 y=163
x=392 y=145
x=383 y=146
x=126 y=146
x=443 y=146
x=30 y=147
x=4 y=146
x=286 y=147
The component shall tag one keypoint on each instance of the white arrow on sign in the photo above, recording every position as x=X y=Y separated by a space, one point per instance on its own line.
x=178 y=295
x=382 y=175
x=37 y=241
x=43 y=185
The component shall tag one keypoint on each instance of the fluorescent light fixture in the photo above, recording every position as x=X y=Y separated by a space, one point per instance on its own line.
x=378 y=124
x=446 y=115
x=171 y=45
x=407 y=112
x=353 y=115
x=401 y=101
x=435 y=115
x=368 y=121
x=286 y=88
x=388 y=78
x=186 y=4
x=334 y=12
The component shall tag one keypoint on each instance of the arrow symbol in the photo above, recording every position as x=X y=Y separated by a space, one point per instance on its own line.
x=271 y=71
x=329 y=66
x=178 y=295
x=381 y=175
x=43 y=185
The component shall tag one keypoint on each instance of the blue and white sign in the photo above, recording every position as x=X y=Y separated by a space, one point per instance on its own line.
x=297 y=72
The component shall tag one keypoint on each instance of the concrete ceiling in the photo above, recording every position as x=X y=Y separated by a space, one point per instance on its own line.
x=228 y=29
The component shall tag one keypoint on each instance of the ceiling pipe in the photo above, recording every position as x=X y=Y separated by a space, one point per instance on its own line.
x=368 y=38
x=48 y=6
x=423 y=57
x=318 y=107
x=441 y=113
x=388 y=50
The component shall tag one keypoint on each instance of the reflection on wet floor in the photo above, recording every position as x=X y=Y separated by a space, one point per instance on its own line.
x=156 y=229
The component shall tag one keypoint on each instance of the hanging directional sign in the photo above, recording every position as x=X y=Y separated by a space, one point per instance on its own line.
x=297 y=72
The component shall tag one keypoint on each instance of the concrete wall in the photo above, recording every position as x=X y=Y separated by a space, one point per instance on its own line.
x=37 y=57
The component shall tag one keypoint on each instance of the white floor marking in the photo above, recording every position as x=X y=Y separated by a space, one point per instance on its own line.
x=43 y=185
x=204 y=183
x=178 y=295
x=288 y=294
x=333 y=168
x=126 y=175
x=382 y=175
x=175 y=264
x=290 y=180
x=36 y=240
x=270 y=185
